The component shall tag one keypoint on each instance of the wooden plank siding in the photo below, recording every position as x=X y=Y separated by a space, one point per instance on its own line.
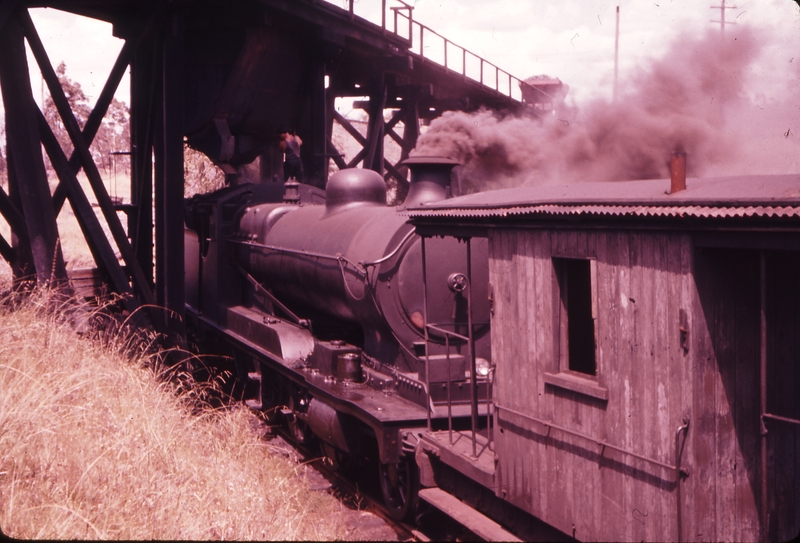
x=648 y=284
x=728 y=464
x=783 y=397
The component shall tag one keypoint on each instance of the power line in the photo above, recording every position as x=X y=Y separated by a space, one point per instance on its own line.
x=722 y=21
x=616 y=57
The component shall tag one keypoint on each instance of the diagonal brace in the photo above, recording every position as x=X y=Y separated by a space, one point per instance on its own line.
x=90 y=168
x=101 y=106
x=92 y=230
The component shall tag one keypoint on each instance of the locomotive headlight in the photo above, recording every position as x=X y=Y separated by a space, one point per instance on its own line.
x=482 y=367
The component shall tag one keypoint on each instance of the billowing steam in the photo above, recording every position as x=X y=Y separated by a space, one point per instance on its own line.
x=688 y=101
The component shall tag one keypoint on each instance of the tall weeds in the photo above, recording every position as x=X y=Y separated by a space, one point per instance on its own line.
x=95 y=444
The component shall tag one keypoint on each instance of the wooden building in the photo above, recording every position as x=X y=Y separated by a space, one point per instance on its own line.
x=647 y=353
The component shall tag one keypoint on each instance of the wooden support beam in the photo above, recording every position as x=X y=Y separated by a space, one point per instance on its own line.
x=25 y=148
x=358 y=158
x=144 y=98
x=356 y=135
x=342 y=120
x=396 y=137
x=397 y=116
x=330 y=108
x=140 y=283
x=95 y=119
x=92 y=230
x=410 y=136
x=169 y=179
x=7 y=8
x=410 y=129
x=318 y=174
x=336 y=156
x=373 y=160
x=394 y=172
x=7 y=251
x=22 y=267
x=11 y=214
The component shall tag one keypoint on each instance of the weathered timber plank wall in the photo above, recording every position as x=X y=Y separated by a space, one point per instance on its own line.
x=728 y=303
x=783 y=393
x=646 y=288
x=728 y=462
x=566 y=479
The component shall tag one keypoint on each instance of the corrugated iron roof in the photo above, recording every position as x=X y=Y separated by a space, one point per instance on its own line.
x=639 y=211
x=744 y=196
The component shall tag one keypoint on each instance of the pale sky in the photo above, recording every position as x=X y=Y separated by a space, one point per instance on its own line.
x=574 y=39
x=569 y=39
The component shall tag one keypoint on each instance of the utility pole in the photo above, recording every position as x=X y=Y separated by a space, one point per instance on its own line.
x=722 y=22
x=616 y=57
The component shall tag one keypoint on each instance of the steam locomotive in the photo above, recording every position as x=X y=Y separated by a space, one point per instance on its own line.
x=623 y=351
x=343 y=322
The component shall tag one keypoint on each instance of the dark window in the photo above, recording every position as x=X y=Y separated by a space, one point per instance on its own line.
x=577 y=314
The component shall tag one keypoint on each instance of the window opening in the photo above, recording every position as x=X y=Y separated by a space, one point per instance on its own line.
x=578 y=315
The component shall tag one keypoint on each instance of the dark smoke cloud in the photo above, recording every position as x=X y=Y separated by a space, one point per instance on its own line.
x=691 y=100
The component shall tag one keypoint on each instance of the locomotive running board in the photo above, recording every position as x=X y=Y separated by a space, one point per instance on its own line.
x=470 y=518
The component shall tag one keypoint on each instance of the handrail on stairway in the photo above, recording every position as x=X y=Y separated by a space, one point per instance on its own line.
x=488 y=74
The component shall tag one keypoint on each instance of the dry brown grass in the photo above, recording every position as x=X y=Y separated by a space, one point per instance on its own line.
x=94 y=443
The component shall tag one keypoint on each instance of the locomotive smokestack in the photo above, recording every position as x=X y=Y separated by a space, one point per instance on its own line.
x=430 y=178
x=677 y=169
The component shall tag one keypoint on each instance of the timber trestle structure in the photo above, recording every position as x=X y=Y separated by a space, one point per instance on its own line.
x=220 y=77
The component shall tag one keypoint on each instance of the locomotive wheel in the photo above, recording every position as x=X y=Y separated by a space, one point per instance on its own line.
x=399 y=486
x=270 y=399
x=298 y=429
x=332 y=456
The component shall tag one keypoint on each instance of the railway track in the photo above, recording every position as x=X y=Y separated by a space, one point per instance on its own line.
x=357 y=487
x=356 y=495
x=361 y=494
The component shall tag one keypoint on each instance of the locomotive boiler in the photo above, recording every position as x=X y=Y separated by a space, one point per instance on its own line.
x=348 y=329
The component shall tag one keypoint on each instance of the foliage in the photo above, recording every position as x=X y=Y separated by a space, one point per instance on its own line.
x=199 y=173
x=112 y=136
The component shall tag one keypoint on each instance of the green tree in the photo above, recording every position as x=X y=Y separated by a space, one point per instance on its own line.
x=113 y=136
x=78 y=102
x=199 y=173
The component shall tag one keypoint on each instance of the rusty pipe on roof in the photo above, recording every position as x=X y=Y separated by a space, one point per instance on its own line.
x=677 y=170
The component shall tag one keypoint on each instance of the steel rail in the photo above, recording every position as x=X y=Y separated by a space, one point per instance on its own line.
x=305 y=454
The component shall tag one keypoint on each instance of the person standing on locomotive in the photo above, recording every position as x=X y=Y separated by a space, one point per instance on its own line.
x=290 y=145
